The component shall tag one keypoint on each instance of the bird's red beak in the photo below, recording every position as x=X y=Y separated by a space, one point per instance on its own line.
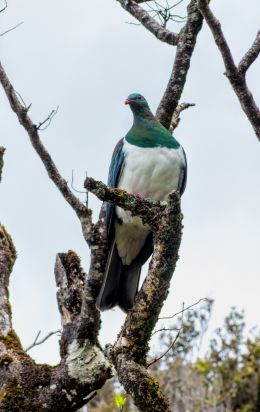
x=127 y=101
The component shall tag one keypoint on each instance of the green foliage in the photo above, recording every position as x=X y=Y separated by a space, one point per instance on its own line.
x=226 y=379
x=120 y=401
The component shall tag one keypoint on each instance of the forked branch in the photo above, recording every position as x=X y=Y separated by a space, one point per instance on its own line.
x=148 y=22
x=236 y=75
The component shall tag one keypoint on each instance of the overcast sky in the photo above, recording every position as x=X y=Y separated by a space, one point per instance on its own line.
x=84 y=58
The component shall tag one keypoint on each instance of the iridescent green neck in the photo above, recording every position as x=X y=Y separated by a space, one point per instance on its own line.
x=148 y=132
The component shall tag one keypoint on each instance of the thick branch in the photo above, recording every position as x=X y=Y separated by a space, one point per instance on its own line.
x=147 y=209
x=83 y=368
x=185 y=46
x=148 y=22
x=22 y=113
x=129 y=354
x=26 y=386
x=7 y=259
x=142 y=387
x=250 y=56
x=236 y=77
x=141 y=320
x=75 y=292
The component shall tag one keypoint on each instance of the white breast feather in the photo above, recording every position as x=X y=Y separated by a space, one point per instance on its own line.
x=151 y=172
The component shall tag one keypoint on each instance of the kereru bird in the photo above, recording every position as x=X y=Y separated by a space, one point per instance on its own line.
x=148 y=162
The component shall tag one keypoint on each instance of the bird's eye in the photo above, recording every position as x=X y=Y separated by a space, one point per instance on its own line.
x=139 y=97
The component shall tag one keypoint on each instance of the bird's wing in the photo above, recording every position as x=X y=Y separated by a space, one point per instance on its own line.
x=115 y=171
x=183 y=174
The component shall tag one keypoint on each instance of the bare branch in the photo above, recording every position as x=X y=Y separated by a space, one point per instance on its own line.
x=47 y=120
x=176 y=115
x=37 y=342
x=236 y=78
x=149 y=23
x=176 y=314
x=167 y=350
x=11 y=29
x=137 y=382
x=183 y=310
x=5 y=6
x=250 y=56
x=185 y=46
x=80 y=209
x=173 y=342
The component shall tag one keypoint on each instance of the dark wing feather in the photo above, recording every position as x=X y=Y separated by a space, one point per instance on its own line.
x=110 y=289
x=115 y=171
x=183 y=175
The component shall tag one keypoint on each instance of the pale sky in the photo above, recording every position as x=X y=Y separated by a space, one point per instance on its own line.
x=84 y=58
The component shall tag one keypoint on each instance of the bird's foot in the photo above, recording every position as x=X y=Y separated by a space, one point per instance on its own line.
x=138 y=196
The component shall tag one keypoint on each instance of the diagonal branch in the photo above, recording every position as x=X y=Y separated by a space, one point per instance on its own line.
x=11 y=29
x=22 y=113
x=185 y=46
x=148 y=22
x=236 y=77
x=250 y=56
x=37 y=342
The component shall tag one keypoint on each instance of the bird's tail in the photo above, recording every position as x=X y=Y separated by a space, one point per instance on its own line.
x=108 y=295
x=120 y=284
x=128 y=286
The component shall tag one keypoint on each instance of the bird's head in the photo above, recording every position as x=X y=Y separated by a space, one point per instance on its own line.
x=137 y=102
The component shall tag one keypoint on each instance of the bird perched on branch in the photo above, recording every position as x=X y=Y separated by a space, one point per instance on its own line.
x=148 y=162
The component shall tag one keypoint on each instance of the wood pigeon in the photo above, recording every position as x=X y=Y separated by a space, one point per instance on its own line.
x=148 y=162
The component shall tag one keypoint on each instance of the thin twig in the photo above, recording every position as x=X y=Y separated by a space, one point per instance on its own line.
x=172 y=343
x=72 y=184
x=37 y=342
x=181 y=311
x=91 y=396
x=149 y=23
x=21 y=98
x=165 y=330
x=11 y=29
x=47 y=120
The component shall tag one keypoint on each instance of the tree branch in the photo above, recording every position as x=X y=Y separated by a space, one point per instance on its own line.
x=27 y=386
x=129 y=353
x=176 y=115
x=236 y=77
x=5 y=6
x=11 y=29
x=185 y=46
x=250 y=56
x=148 y=22
x=142 y=387
x=37 y=342
x=80 y=209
